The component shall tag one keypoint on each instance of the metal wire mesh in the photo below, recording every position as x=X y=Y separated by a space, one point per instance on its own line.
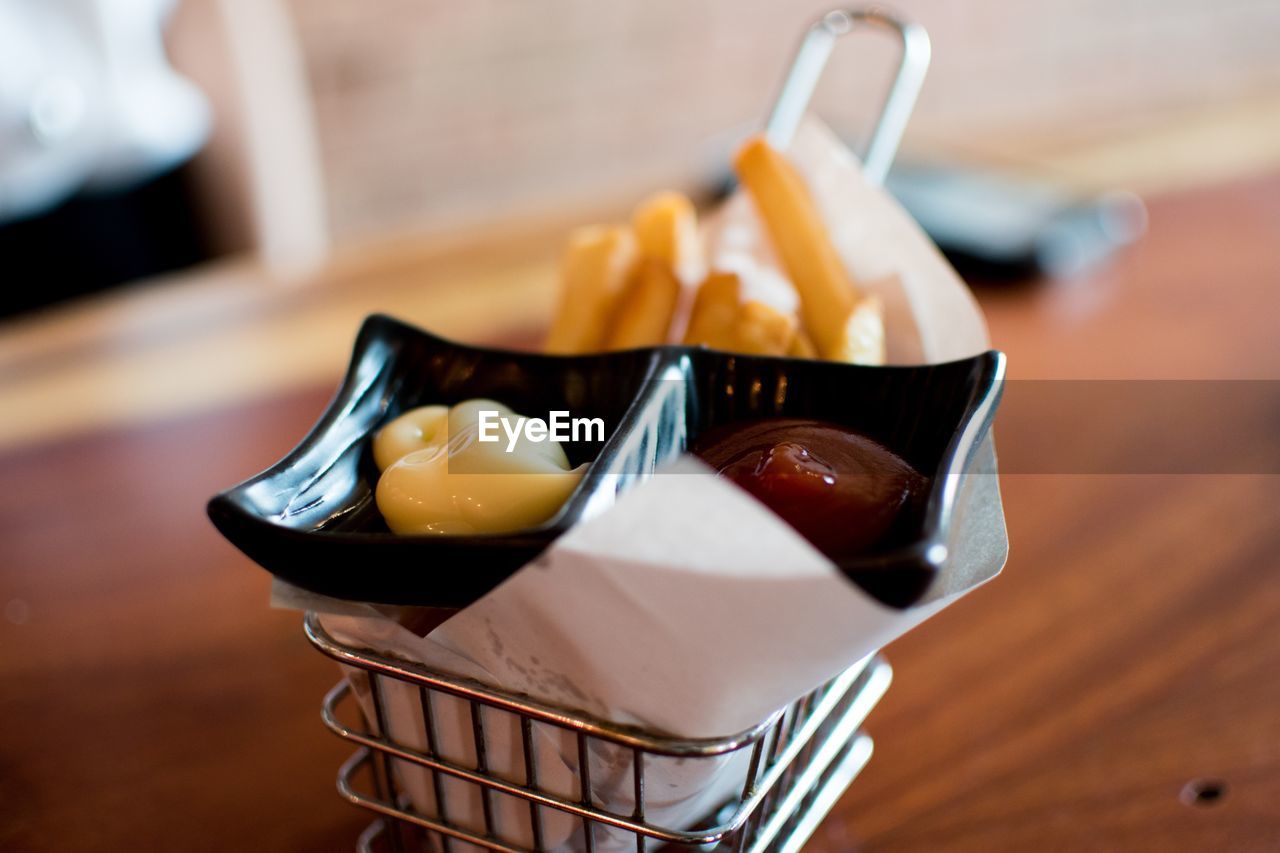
x=778 y=778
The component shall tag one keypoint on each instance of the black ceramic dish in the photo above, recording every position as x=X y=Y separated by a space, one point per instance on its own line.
x=933 y=416
x=310 y=519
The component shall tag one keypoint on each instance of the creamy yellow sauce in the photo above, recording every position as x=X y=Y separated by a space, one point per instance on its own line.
x=439 y=478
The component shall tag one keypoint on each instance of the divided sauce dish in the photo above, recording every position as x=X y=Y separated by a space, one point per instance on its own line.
x=310 y=519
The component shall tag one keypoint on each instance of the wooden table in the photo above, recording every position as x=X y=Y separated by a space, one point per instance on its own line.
x=1128 y=658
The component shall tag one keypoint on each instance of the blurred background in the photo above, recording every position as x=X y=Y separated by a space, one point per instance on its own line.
x=286 y=127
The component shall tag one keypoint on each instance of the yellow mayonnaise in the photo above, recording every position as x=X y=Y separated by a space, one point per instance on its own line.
x=439 y=478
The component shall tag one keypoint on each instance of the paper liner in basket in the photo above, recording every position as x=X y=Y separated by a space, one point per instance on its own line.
x=687 y=607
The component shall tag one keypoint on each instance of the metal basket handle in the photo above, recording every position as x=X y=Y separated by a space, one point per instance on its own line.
x=810 y=60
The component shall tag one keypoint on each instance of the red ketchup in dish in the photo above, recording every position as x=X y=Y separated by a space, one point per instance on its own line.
x=841 y=490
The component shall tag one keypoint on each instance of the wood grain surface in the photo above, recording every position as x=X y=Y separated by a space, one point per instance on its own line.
x=1128 y=658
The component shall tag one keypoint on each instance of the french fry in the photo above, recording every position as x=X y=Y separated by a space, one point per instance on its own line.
x=666 y=228
x=597 y=264
x=801 y=346
x=862 y=339
x=715 y=310
x=795 y=227
x=762 y=330
x=642 y=315
x=622 y=286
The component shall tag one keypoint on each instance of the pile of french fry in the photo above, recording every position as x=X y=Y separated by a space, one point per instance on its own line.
x=623 y=285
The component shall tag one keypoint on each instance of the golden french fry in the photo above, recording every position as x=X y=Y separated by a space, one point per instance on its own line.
x=642 y=315
x=796 y=229
x=801 y=346
x=666 y=228
x=862 y=339
x=715 y=310
x=596 y=266
x=763 y=330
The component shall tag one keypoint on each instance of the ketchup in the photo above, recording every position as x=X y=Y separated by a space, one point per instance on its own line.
x=839 y=489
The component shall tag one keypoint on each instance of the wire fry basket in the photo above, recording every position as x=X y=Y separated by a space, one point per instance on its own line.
x=797 y=764
x=774 y=783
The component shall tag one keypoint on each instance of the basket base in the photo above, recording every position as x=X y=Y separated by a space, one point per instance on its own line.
x=814 y=780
